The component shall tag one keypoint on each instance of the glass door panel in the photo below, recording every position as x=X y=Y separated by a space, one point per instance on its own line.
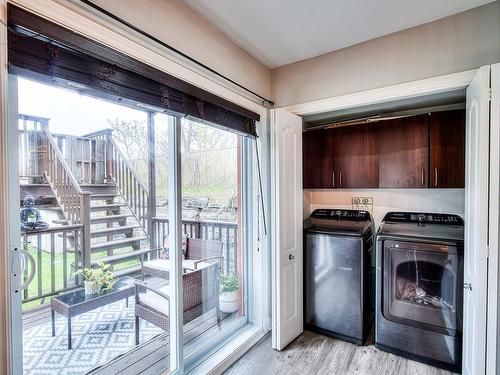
x=215 y=266
x=92 y=210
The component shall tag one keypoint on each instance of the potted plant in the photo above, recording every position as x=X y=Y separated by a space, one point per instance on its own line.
x=97 y=280
x=228 y=288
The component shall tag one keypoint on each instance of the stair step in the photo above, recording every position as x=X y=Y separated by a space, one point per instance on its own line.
x=107 y=207
x=111 y=259
x=127 y=271
x=61 y=221
x=112 y=231
x=47 y=196
x=116 y=244
x=97 y=197
x=109 y=219
x=86 y=184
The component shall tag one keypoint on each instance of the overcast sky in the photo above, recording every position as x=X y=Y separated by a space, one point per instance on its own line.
x=70 y=112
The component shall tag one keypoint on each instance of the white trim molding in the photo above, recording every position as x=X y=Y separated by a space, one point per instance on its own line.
x=5 y=333
x=434 y=85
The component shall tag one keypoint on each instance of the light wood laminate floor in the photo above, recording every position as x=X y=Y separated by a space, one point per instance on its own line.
x=312 y=353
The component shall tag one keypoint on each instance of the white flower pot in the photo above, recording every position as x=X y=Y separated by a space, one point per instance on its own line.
x=91 y=288
x=228 y=302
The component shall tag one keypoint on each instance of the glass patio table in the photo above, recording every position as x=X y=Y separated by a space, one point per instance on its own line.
x=76 y=302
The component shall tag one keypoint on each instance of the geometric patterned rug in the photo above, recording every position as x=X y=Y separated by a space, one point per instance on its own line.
x=98 y=336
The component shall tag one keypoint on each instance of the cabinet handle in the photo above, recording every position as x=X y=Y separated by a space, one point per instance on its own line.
x=435 y=177
x=333 y=179
x=340 y=183
x=423 y=178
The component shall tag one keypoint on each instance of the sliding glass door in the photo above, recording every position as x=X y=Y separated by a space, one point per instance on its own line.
x=132 y=217
x=132 y=229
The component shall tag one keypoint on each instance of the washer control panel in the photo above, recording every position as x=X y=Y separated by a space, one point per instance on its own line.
x=356 y=215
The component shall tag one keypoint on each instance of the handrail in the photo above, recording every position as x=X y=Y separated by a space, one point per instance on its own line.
x=60 y=159
x=226 y=232
x=75 y=202
x=97 y=133
x=127 y=164
x=203 y=222
x=129 y=185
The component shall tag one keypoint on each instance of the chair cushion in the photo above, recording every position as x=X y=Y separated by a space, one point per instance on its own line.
x=155 y=301
x=158 y=264
x=164 y=264
x=190 y=264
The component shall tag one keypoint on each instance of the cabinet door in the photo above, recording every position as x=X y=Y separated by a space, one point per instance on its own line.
x=332 y=151
x=357 y=161
x=404 y=152
x=447 y=137
x=313 y=152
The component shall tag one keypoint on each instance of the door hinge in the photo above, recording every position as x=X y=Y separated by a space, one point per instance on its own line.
x=489 y=94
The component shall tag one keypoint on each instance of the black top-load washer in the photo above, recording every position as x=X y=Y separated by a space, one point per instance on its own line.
x=419 y=287
x=339 y=273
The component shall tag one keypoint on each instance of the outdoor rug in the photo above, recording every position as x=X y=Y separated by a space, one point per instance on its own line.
x=98 y=336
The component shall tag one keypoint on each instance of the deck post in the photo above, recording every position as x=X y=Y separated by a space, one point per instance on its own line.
x=43 y=147
x=109 y=154
x=85 y=221
x=151 y=179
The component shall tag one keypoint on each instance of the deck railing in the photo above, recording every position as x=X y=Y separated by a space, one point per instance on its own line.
x=75 y=202
x=128 y=183
x=32 y=146
x=225 y=232
x=56 y=252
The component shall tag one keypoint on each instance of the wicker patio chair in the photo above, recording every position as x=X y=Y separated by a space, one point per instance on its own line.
x=199 y=252
x=200 y=295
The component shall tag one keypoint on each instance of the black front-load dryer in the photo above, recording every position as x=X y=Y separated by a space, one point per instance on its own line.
x=339 y=273
x=419 y=280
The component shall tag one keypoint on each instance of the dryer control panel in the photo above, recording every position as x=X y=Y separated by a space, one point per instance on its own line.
x=423 y=218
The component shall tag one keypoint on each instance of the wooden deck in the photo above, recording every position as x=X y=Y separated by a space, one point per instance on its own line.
x=150 y=357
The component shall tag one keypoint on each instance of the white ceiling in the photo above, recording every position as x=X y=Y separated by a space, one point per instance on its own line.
x=279 y=32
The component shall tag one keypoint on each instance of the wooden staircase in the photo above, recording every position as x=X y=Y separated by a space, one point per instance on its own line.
x=100 y=192
x=116 y=235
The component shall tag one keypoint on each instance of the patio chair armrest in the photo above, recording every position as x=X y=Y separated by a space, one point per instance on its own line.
x=139 y=284
x=205 y=259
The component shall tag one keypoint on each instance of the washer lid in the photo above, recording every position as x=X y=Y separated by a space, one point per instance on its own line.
x=340 y=222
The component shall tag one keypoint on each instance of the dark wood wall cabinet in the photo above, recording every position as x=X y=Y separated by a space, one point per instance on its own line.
x=424 y=151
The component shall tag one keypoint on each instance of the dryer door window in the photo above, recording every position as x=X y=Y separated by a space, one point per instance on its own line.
x=422 y=285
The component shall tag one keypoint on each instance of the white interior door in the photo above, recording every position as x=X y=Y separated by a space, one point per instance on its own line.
x=286 y=129
x=492 y=353
x=476 y=223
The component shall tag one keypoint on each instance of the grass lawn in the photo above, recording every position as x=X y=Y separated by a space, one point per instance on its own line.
x=46 y=272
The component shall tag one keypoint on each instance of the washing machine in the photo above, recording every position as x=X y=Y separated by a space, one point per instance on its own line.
x=339 y=273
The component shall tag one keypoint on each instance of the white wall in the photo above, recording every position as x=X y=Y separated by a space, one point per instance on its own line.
x=178 y=25
x=457 y=43
x=451 y=201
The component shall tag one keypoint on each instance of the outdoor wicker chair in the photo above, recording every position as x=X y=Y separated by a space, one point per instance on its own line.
x=199 y=252
x=200 y=295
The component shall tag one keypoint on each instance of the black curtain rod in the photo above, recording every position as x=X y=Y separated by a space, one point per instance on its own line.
x=163 y=44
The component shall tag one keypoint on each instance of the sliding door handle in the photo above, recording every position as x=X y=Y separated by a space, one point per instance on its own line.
x=340 y=178
x=333 y=179
x=435 y=177
x=423 y=177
